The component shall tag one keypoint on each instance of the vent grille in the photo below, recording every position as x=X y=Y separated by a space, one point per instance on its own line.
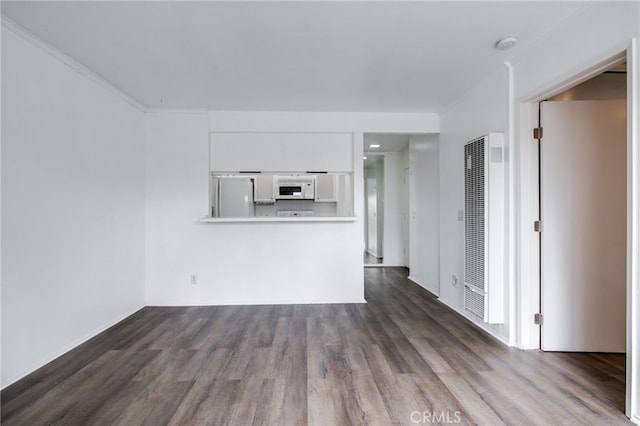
x=474 y=302
x=474 y=218
x=484 y=226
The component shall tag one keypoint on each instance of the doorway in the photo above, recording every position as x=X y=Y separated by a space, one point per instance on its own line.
x=374 y=208
x=386 y=205
x=530 y=265
x=583 y=208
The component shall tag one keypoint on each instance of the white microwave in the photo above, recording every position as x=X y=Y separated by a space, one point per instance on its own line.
x=295 y=187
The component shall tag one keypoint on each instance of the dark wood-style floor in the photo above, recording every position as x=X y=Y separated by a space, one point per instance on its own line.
x=402 y=358
x=369 y=259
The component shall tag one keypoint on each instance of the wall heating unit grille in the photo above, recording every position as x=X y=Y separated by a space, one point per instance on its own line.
x=484 y=228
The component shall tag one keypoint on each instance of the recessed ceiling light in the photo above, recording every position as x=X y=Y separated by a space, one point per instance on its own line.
x=364 y=158
x=506 y=42
x=374 y=145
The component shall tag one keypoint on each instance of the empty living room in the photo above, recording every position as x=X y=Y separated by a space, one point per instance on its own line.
x=187 y=189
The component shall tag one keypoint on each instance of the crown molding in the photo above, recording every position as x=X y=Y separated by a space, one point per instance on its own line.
x=156 y=110
x=25 y=34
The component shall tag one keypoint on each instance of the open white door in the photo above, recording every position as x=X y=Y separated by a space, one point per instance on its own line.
x=583 y=201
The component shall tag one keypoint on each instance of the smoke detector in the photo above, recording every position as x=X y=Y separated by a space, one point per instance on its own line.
x=506 y=42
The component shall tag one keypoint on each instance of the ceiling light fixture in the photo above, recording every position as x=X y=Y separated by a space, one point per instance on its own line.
x=506 y=42
x=374 y=145
x=364 y=158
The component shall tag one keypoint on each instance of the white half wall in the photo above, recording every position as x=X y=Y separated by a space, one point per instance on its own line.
x=424 y=214
x=249 y=263
x=72 y=207
x=236 y=263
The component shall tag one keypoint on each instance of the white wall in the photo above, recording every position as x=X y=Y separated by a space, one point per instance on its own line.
x=424 y=212
x=369 y=122
x=404 y=226
x=235 y=263
x=633 y=241
x=72 y=207
x=380 y=206
x=392 y=243
x=288 y=262
x=1 y=257
x=482 y=111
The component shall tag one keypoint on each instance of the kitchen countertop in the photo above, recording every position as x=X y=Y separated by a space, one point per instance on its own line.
x=267 y=219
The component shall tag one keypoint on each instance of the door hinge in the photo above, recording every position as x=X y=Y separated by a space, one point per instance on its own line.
x=537 y=226
x=537 y=133
x=537 y=319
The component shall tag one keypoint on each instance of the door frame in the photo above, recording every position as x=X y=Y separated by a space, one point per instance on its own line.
x=405 y=226
x=528 y=335
x=385 y=155
x=372 y=222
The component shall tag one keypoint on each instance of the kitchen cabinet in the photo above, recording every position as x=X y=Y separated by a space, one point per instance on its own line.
x=326 y=188
x=263 y=189
x=281 y=152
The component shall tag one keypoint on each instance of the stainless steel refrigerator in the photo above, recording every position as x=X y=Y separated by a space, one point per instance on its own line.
x=233 y=196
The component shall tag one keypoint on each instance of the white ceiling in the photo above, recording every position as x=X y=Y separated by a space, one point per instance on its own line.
x=388 y=142
x=290 y=56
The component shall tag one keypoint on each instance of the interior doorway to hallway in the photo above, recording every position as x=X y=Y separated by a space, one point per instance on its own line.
x=386 y=195
x=374 y=208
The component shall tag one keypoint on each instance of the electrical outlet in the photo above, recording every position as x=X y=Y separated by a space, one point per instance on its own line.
x=460 y=215
x=194 y=279
x=454 y=280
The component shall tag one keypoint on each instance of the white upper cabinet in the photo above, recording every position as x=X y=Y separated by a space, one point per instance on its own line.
x=326 y=188
x=281 y=152
x=263 y=189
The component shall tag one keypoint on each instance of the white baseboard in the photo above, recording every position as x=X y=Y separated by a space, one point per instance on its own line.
x=370 y=253
x=256 y=302
x=430 y=290
x=635 y=419
x=480 y=324
x=69 y=347
x=382 y=265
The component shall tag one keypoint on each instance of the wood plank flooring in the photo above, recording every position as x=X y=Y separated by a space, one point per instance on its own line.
x=402 y=358
x=371 y=260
